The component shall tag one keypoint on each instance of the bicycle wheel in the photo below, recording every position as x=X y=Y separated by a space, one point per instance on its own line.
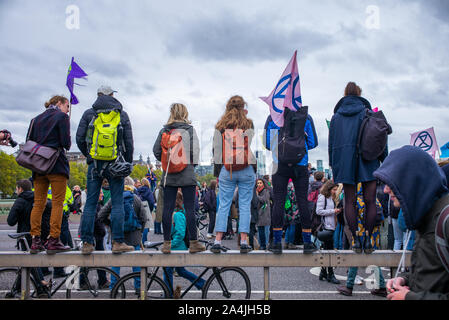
x=228 y=283
x=10 y=284
x=93 y=282
x=125 y=288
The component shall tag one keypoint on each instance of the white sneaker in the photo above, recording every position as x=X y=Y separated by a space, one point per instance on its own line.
x=210 y=236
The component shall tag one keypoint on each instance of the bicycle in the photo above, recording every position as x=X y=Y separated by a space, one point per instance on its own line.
x=201 y=223
x=10 y=279
x=227 y=282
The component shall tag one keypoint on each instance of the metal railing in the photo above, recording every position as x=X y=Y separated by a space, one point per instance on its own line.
x=233 y=258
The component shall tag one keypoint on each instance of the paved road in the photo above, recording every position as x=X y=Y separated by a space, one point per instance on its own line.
x=286 y=283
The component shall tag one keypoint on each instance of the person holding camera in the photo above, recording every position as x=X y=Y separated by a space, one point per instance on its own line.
x=6 y=139
x=100 y=125
x=325 y=207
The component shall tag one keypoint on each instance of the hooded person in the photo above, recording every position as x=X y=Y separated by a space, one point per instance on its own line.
x=417 y=185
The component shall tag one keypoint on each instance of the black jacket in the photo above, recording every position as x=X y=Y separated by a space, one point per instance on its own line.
x=21 y=211
x=52 y=129
x=105 y=103
x=421 y=188
x=210 y=201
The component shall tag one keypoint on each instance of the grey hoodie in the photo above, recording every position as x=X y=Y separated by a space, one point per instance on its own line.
x=191 y=145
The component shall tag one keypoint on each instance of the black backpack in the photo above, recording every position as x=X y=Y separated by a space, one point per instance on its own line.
x=317 y=220
x=373 y=135
x=292 y=139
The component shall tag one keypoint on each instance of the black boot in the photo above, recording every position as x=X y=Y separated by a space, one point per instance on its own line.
x=367 y=246
x=331 y=276
x=323 y=274
x=356 y=244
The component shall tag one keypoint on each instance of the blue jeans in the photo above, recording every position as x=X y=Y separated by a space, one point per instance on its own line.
x=352 y=273
x=183 y=272
x=94 y=182
x=245 y=180
x=157 y=227
x=398 y=235
x=145 y=234
x=264 y=233
x=290 y=234
x=117 y=270
x=338 y=234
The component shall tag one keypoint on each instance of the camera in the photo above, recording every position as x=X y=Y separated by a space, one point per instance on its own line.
x=11 y=141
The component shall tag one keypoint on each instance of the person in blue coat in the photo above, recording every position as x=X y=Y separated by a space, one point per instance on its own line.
x=347 y=167
x=145 y=194
x=299 y=173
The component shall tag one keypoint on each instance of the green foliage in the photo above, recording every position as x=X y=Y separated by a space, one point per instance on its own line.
x=158 y=174
x=78 y=175
x=139 y=171
x=207 y=178
x=10 y=172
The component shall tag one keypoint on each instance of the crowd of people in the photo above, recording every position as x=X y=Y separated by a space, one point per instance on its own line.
x=369 y=203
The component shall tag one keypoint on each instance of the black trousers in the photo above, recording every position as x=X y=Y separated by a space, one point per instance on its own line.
x=300 y=177
x=188 y=194
x=212 y=216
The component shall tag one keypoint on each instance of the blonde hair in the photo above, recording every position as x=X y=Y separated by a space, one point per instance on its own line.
x=129 y=181
x=145 y=182
x=178 y=113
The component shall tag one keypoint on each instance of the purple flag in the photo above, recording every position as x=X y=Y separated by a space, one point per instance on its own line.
x=286 y=94
x=426 y=140
x=74 y=72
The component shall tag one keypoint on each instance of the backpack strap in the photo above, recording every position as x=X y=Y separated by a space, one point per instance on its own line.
x=442 y=238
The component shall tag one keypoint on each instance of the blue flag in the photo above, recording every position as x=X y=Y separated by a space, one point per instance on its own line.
x=74 y=72
x=445 y=151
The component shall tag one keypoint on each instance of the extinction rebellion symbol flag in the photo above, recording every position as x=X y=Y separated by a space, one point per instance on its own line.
x=425 y=140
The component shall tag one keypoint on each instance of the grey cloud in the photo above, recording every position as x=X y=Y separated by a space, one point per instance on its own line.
x=438 y=8
x=137 y=89
x=229 y=37
x=109 y=68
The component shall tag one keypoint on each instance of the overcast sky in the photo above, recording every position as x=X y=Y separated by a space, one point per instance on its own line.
x=200 y=53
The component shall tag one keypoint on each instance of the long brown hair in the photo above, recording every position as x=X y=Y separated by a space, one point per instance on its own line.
x=213 y=185
x=235 y=116
x=54 y=101
x=327 y=188
x=179 y=201
x=352 y=89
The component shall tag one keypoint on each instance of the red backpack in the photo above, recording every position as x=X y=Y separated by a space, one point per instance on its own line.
x=313 y=196
x=173 y=157
x=235 y=150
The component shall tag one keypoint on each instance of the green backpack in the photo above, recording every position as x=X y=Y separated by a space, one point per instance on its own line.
x=104 y=135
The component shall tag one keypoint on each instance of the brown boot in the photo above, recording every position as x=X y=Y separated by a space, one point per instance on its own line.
x=87 y=248
x=119 y=247
x=177 y=293
x=36 y=245
x=166 y=247
x=195 y=246
x=54 y=245
x=344 y=290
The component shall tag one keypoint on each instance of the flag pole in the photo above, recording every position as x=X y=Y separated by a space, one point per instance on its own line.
x=70 y=108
